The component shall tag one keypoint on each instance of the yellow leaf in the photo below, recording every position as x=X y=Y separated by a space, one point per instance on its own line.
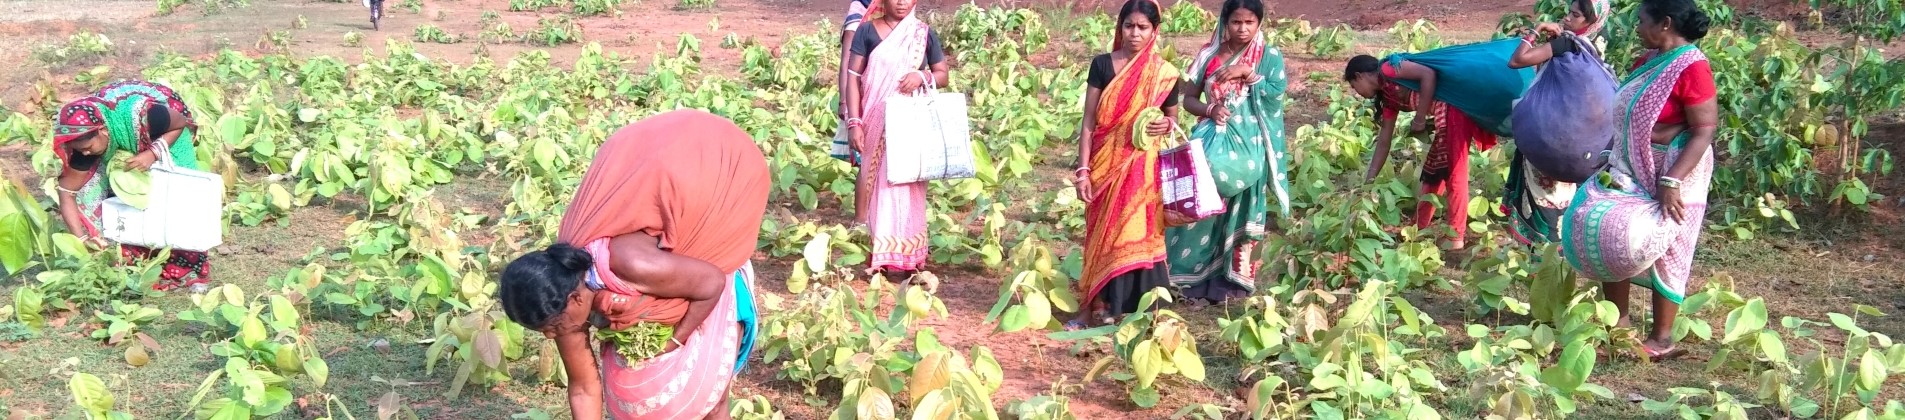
x=931 y=374
x=136 y=356
x=1188 y=364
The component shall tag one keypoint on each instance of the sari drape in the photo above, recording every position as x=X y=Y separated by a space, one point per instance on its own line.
x=1124 y=222
x=692 y=179
x=120 y=109
x=895 y=214
x=1211 y=258
x=691 y=380
x=1606 y=224
x=700 y=184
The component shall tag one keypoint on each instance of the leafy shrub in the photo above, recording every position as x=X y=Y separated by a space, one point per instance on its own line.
x=80 y=47
x=553 y=31
x=431 y=33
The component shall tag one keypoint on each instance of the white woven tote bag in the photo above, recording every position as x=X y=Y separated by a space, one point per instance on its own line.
x=928 y=137
x=186 y=209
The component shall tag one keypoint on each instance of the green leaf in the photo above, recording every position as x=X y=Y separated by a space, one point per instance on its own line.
x=309 y=115
x=1745 y=320
x=1147 y=362
x=1089 y=333
x=70 y=245
x=1038 y=311
x=1772 y=347
x=284 y=316
x=224 y=409
x=1868 y=310
x=797 y=282
x=28 y=302
x=1572 y=369
x=276 y=399
x=1846 y=323
x=16 y=242
x=251 y=387
x=1016 y=318
x=90 y=394
x=1145 y=397
x=317 y=368
x=1871 y=371
x=251 y=331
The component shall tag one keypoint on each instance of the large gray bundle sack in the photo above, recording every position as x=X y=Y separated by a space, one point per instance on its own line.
x=1565 y=121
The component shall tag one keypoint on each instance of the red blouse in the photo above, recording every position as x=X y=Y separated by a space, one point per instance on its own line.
x=1395 y=98
x=1694 y=87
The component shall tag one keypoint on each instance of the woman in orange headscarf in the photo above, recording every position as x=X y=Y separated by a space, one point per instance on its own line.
x=1129 y=109
x=660 y=231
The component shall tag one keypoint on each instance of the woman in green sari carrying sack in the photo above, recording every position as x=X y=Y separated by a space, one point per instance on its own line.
x=121 y=123
x=1236 y=90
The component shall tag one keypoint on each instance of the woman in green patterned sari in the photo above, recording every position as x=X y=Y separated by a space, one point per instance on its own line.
x=1236 y=90
x=124 y=117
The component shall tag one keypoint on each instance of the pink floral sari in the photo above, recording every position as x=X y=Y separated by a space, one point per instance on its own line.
x=1618 y=232
x=895 y=214
x=687 y=383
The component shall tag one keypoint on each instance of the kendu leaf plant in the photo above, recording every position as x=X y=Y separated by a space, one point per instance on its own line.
x=1147 y=345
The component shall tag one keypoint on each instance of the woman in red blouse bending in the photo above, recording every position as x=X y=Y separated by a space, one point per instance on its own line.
x=1468 y=89
x=1662 y=167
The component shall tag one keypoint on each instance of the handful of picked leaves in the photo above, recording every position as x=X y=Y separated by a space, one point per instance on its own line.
x=131 y=186
x=638 y=342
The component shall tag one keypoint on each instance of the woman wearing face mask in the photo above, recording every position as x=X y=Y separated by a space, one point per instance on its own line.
x=1236 y=90
x=893 y=53
x=660 y=231
x=127 y=117
x=1129 y=109
x=1470 y=91
x=1662 y=169
x=1532 y=200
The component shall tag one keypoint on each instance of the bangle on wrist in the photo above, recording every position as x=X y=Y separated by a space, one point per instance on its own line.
x=1668 y=182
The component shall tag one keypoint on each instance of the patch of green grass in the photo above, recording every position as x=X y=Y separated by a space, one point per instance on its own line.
x=694 y=4
x=14 y=332
x=78 y=48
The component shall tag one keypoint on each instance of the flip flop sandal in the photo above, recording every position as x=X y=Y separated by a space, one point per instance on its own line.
x=1658 y=356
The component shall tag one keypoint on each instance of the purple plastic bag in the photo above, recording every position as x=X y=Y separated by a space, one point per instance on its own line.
x=1188 y=186
x=1565 y=121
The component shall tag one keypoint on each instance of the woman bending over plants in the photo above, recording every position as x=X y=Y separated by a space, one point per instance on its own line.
x=653 y=250
x=1467 y=89
x=1129 y=109
x=111 y=135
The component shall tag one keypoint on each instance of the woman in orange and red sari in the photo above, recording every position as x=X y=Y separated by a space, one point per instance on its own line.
x=1129 y=112
x=893 y=53
x=660 y=231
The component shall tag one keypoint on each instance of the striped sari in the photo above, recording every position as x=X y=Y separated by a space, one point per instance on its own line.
x=1124 y=221
x=1615 y=231
x=1211 y=258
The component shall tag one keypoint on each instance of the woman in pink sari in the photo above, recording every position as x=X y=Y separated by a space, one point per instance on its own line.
x=1643 y=227
x=660 y=231
x=893 y=53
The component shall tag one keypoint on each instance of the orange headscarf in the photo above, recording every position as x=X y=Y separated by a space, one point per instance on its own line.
x=691 y=178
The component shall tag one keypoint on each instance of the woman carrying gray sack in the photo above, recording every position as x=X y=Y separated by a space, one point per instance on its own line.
x=1563 y=124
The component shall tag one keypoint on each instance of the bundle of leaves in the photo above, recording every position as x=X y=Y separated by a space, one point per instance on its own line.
x=638 y=342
